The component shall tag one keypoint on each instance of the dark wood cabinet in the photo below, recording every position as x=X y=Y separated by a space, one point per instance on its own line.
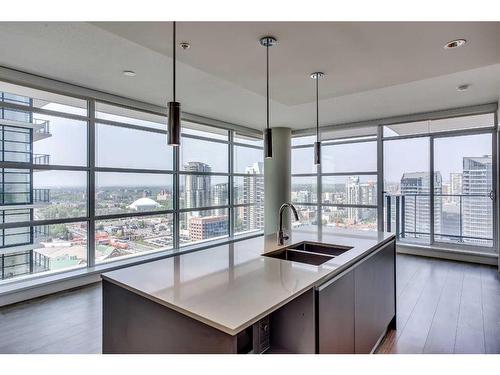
x=335 y=304
x=355 y=309
x=374 y=301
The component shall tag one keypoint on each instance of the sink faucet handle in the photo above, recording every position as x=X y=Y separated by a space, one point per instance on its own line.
x=281 y=236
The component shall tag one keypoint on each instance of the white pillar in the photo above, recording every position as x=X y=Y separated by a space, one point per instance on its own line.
x=277 y=179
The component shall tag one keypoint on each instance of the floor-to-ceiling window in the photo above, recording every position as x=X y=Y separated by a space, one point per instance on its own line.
x=406 y=189
x=133 y=183
x=439 y=182
x=438 y=185
x=304 y=181
x=341 y=192
x=86 y=183
x=248 y=183
x=44 y=182
x=349 y=183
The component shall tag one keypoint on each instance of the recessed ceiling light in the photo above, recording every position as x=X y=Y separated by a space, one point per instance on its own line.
x=455 y=43
x=463 y=87
x=129 y=73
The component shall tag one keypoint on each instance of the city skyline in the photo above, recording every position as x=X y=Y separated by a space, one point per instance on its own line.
x=62 y=194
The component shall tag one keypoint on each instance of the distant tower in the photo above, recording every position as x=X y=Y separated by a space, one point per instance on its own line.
x=197 y=189
x=19 y=131
x=353 y=192
x=253 y=191
x=477 y=211
x=219 y=198
x=416 y=189
x=456 y=186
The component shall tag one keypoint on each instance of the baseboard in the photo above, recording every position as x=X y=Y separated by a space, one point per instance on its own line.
x=449 y=254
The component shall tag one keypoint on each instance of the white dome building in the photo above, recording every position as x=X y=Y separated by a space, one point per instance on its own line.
x=144 y=204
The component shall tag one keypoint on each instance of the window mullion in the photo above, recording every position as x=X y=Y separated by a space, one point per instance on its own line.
x=91 y=144
x=230 y=167
x=431 y=189
x=380 y=179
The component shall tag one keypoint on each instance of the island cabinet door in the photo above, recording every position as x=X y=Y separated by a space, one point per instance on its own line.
x=374 y=293
x=335 y=304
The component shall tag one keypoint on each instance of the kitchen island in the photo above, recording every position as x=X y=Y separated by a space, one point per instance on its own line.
x=245 y=297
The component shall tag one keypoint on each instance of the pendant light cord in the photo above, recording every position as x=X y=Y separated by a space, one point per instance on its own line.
x=317 y=109
x=267 y=84
x=173 y=47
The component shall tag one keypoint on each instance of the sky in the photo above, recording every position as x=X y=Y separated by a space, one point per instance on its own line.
x=121 y=147
x=412 y=155
x=126 y=148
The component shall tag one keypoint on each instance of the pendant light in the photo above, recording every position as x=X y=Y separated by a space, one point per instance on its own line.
x=268 y=41
x=174 y=108
x=317 y=145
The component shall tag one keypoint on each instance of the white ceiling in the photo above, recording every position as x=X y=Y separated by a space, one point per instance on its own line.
x=373 y=70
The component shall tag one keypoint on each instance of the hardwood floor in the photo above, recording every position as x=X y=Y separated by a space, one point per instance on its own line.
x=443 y=307
x=67 y=322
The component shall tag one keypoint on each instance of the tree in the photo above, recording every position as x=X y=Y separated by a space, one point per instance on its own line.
x=59 y=231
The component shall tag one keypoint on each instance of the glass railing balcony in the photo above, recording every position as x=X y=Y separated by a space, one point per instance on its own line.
x=22 y=263
x=458 y=218
x=41 y=195
x=41 y=159
x=43 y=125
x=41 y=262
x=41 y=129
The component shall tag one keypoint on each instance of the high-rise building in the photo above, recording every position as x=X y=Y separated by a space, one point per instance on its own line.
x=353 y=195
x=328 y=197
x=364 y=193
x=253 y=191
x=20 y=130
x=202 y=228
x=369 y=193
x=446 y=192
x=304 y=196
x=197 y=188
x=219 y=197
x=415 y=187
x=455 y=186
x=477 y=211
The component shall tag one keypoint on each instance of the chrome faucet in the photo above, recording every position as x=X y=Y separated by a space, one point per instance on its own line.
x=281 y=235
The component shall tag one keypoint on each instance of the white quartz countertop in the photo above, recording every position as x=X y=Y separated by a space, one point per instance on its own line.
x=231 y=286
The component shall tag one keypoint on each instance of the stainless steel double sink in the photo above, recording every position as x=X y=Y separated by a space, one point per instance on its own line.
x=309 y=253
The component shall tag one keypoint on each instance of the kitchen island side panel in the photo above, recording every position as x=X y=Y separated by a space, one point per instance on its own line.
x=375 y=302
x=133 y=324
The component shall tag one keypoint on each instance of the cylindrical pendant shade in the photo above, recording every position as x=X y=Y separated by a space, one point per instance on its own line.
x=174 y=124
x=317 y=153
x=268 y=143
